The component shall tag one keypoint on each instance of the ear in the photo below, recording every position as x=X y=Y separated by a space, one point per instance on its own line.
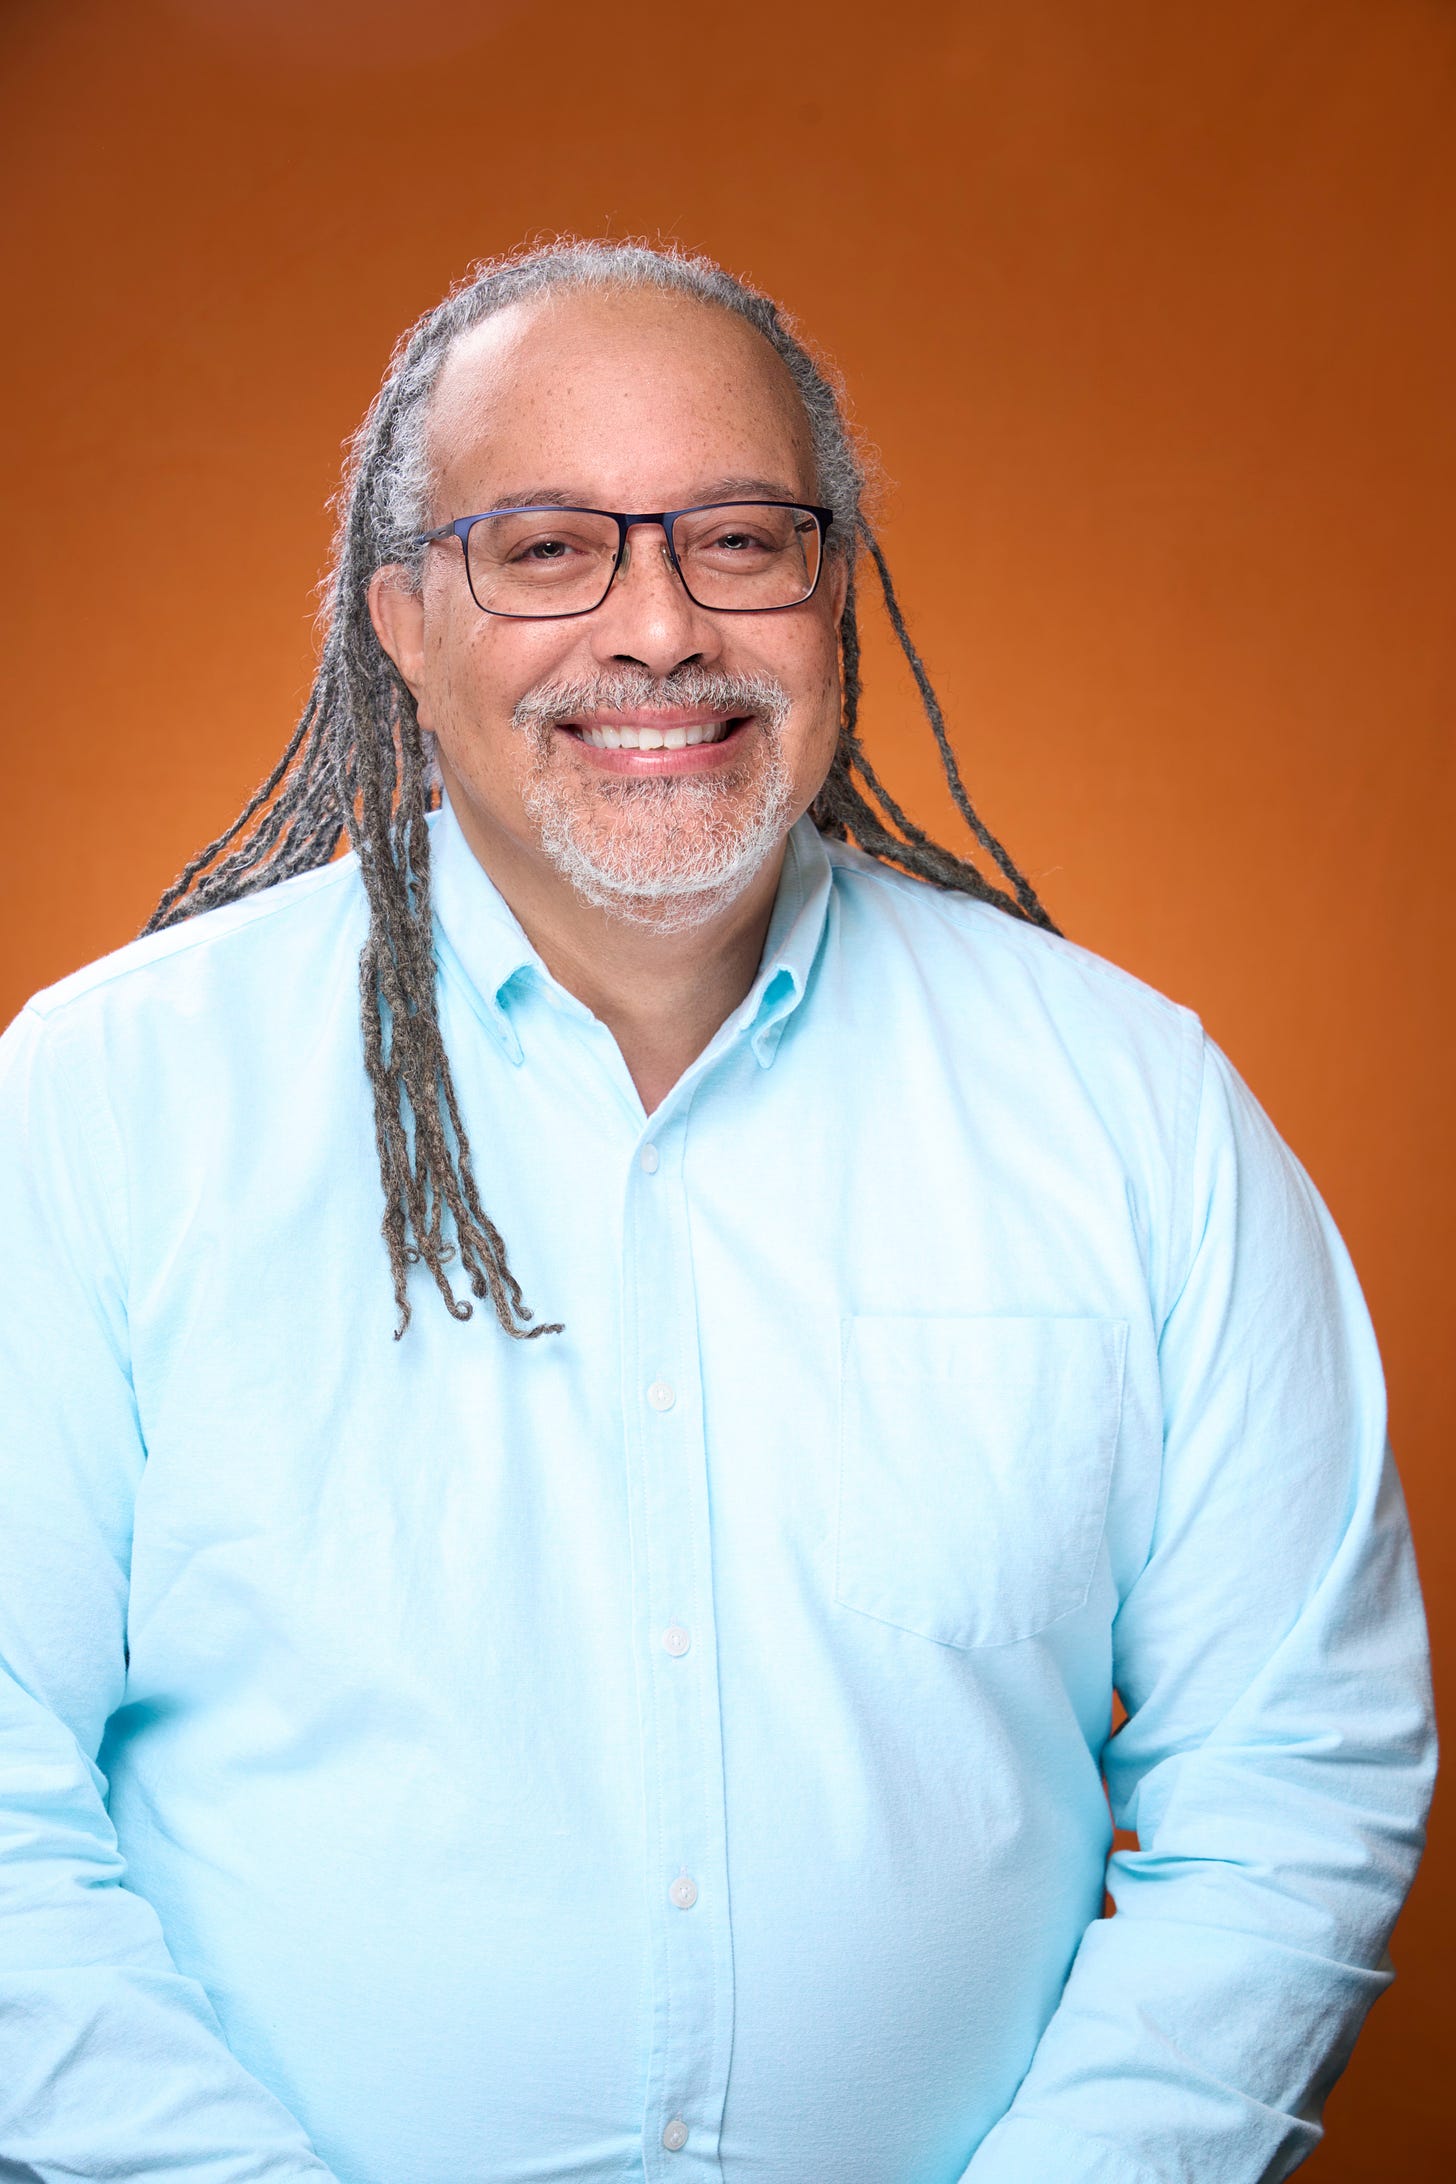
x=397 y=610
x=837 y=575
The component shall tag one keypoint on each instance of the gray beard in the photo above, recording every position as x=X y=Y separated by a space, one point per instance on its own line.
x=670 y=853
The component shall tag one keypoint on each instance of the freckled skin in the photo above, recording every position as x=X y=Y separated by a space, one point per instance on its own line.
x=630 y=401
x=636 y=401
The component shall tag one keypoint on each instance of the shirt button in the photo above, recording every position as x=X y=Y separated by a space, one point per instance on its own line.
x=661 y=1396
x=676 y=1640
x=648 y=1159
x=684 y=1892
x=675 y=2135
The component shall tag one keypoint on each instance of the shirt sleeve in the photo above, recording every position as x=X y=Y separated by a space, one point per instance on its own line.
x=111 y=2062
x=1277 y=1758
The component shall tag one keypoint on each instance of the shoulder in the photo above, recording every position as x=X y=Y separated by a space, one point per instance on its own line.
x=145 y=1060
x=218 y=1010
x=957 y=947
x=1085 y=1079
x=295 y=923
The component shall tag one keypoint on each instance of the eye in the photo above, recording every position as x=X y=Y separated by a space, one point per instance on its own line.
x=531 y=545
x=736 y=541
x=544 y=551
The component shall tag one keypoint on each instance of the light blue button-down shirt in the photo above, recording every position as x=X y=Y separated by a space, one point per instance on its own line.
x=674 y=1749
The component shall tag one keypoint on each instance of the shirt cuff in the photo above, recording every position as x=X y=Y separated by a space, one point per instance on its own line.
x=1025 y=2150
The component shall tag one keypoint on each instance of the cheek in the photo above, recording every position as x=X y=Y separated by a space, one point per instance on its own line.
x=480 y=676
x=814 y=724
x=821 y=682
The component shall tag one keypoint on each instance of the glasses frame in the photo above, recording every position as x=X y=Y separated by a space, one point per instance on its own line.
x=664 y=518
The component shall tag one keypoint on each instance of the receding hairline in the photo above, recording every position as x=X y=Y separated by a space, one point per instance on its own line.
x=610 y=297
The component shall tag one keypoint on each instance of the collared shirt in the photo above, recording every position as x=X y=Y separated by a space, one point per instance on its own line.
x=674 y=1748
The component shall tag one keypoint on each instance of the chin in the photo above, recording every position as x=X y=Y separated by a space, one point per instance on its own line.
x=669 y=860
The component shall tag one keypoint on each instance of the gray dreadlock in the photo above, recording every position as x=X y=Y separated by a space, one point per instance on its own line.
x=356 y=765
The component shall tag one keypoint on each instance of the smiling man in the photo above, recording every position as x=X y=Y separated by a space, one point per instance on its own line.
x=658 y=1729
x=628 y=711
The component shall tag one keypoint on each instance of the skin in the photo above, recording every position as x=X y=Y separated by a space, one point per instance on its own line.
x=619 y=401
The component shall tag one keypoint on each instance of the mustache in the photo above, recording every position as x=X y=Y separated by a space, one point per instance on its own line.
x=633 y=689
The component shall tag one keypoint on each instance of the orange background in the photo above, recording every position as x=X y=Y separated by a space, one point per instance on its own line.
x=1148 y=309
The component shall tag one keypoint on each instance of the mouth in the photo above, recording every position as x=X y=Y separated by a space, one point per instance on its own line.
x=654 y=736
x=656 y=741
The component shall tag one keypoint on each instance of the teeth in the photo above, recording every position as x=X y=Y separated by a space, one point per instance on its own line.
x=655 y=739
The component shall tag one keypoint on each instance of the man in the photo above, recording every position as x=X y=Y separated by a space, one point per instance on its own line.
x=671 y=1745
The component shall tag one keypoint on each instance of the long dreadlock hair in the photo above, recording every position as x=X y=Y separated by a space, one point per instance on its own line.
x=356 y=766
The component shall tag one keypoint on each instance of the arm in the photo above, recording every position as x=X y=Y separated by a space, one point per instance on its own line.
x=111 y=2063
x=1277 y=1756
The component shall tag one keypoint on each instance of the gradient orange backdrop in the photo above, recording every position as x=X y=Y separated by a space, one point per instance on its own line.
x=1148 y=310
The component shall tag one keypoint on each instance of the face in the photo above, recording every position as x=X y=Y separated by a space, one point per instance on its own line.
x=632 y=401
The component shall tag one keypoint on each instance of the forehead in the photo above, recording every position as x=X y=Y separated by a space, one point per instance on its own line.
x=631 y=399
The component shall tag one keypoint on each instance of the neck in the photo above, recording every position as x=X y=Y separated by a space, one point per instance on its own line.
x=662 y=995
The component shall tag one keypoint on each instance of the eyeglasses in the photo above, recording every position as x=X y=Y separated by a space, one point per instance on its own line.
x=734 y=557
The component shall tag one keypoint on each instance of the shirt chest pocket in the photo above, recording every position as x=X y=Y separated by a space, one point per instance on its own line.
x=975 y=1462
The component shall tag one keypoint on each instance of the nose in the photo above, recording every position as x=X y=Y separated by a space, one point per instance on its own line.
x=647 y=618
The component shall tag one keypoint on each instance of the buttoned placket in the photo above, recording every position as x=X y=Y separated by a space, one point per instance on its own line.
x=673 y=1617
x=666 y=1468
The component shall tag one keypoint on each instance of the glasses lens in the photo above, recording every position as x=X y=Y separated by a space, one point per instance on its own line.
x=540 y=561
x=748 y=554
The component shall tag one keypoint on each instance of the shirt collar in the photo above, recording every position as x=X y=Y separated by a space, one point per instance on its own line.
x=795 y=931
x=477 y=934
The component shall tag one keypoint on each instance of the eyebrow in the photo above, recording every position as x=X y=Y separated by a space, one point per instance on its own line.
x=701 y=494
